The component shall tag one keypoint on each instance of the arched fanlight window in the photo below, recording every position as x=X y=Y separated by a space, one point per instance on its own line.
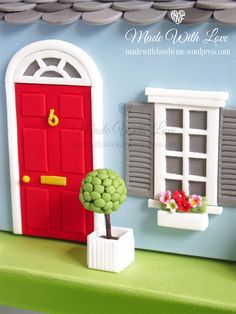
x=52 y=67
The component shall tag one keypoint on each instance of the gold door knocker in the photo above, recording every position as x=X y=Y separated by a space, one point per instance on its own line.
x=26 y=179
x=52 y=118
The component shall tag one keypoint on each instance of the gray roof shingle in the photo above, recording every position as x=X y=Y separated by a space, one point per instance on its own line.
x=101 y=17
x=99 y=12
x=25 y=17
x=52 y=7
x=62 y=17
x=91 y=6
x=144 y=17
x=226 y=17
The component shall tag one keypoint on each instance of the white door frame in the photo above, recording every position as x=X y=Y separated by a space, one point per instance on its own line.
x=89 y=76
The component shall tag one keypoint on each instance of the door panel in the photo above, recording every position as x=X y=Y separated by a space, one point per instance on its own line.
x=72 y=144
x=63 y=150
x=72 y=106
x=35 y=149
x=73 y=219
x=37 y=208
x=33 y=105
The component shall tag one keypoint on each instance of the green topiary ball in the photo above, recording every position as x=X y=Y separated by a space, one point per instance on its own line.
x=103 y=191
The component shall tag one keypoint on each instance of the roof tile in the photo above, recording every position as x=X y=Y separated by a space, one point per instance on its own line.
x=91 y=6
x=62 y=17
x=9 y=1
x=39 y=1
x=101 y=17
x=196 y=16
x=174 y=5
x=226 y=17
x=52 y=7
x=216 y=4
x=132 y=5
x=144 y=17
x=25 y=17
x=74 y=1
x=16 y=7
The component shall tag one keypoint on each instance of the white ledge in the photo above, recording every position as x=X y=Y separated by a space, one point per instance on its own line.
x=187 y=221
x=186 y=97
x=212 y=210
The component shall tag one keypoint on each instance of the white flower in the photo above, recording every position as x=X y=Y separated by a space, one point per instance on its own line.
x=172 y=206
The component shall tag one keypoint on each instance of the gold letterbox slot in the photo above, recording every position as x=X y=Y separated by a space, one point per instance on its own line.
x=53 y=180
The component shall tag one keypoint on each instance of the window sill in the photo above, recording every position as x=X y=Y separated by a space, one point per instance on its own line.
x=187 y=221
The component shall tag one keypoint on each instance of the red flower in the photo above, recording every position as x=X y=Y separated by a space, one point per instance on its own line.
x=179 y=196
x=184 y=206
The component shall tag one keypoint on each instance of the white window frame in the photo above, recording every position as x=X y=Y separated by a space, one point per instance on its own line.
x=209 y=102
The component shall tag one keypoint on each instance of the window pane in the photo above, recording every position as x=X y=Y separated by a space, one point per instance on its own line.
x=197 y=167
x=174 y=118
x=51 y=74
x=32 y=68
x=198 y=120
x=174 y=165
x=197 y=188
x=174 y=142
x=51 y=61
x=198 y=143
x=173 y=185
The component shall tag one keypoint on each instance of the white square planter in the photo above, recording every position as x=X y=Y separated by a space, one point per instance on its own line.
x=189 y=221
x=110 y=255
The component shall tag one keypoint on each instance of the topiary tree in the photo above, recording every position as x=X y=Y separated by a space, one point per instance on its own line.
x=103 y=191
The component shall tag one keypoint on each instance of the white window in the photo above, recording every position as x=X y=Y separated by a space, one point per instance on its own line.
x=186 y=141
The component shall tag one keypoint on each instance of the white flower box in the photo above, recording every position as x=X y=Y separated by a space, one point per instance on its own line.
x=189 y=221
x=110 y=255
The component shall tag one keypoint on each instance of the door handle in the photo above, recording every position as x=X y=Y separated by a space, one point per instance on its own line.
x=26 y=179
x=52 y=118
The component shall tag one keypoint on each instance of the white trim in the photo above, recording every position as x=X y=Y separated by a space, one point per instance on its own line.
x=159 y=151
x=186 y=150
x=13 y=159
x=14 y=74
x=152 y=203
x=171 y=153
x=190 y=131
x=186 y=97
x=186 y=178
x=213 y=116
x=214 y=210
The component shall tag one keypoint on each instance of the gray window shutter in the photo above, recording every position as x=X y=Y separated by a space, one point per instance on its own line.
x=140 y=149
x=227 y=158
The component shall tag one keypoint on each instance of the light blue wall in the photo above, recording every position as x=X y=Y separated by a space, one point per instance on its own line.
x=125 y=78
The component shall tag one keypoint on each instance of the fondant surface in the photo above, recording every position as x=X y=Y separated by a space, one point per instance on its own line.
x=51 y=277
x=125 y=77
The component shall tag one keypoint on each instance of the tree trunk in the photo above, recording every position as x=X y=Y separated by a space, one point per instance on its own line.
x=108 y=226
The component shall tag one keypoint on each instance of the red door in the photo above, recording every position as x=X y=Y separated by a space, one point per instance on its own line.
x=55 y=152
